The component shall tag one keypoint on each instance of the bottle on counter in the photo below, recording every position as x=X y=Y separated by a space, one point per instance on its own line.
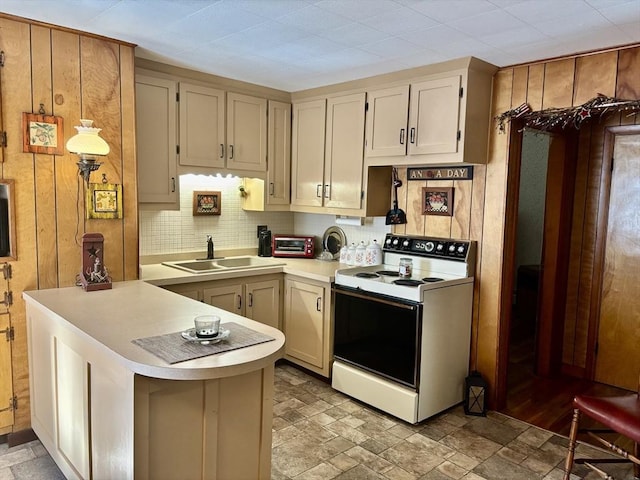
x=351 y=254
x=361 y=250
x=406 y=267
x=343 y=254
x=373 y=255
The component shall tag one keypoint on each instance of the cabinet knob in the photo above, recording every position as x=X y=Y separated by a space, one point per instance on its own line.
x=327 y=191
x=319 y=190
x=222 y=150
x=402 y=136
x=239 y=302
x=319 y=304
x=173 y=184
x=412 y=135
x=271 y=188
x=250 y=304
x=230 y=152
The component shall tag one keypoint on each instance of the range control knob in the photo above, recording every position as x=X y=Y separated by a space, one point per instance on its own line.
x=452 y=248
x=461 y=249
x=405 y=243
x=387 y=242
x=429 y=246
x=440 y=248
x=395 y=242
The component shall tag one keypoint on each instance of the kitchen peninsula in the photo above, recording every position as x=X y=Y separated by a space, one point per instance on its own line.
x=106 y=408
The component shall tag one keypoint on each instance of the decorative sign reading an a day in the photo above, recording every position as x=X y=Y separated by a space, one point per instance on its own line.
x=440 y=173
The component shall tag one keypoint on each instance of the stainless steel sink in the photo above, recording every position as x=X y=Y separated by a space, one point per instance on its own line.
x=207 y=266
x=195 y=266
x=238 y=262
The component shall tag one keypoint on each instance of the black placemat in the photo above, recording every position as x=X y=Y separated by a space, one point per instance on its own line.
x=172 y=348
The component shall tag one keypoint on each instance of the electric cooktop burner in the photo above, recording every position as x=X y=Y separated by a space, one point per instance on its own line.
x=407 y=282
x=432 y=279
x=367 y=275
x=388 y=273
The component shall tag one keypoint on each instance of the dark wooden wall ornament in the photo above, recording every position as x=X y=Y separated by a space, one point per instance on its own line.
x=94 y=275
x=42 y=134
x=437 y=201
x=207 y=203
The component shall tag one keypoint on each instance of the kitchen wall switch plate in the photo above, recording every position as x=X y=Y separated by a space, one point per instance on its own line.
x=261 y=228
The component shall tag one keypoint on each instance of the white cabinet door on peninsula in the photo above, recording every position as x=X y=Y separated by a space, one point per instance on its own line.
x=257 y=297
x=156 y=140
x=258 y=300
x=307 y=324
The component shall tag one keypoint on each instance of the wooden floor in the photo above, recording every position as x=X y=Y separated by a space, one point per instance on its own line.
x=546 y=402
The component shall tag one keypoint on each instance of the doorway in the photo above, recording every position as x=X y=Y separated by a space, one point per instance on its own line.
x=538 y=388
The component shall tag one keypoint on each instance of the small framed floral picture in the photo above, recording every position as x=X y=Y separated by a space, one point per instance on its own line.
x=104 y=200
x=437 y=201
x=207 y=203
x=42 y=134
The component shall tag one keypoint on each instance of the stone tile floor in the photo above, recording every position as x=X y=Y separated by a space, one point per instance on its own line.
x=320 y=434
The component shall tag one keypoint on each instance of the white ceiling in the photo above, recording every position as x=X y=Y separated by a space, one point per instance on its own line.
x=297 y=44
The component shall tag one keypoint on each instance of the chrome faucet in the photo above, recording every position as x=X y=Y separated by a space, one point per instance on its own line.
x=209 y=247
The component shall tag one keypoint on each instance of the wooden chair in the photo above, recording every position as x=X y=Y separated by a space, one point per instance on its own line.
x=619 y=414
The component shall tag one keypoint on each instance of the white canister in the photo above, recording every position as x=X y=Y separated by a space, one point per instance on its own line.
x=361 y=250
x=373 y=255
x=343 y=254
x=351 y=254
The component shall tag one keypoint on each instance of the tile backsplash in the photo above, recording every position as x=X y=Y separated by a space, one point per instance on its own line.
x=172 y=231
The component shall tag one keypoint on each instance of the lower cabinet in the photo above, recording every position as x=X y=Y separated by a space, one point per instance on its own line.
x=307 y=324
x=257 y=298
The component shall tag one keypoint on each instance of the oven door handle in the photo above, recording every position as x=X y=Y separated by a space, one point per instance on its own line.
x=375 y=299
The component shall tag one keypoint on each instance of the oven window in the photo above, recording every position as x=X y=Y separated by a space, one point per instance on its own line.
x=378 y=334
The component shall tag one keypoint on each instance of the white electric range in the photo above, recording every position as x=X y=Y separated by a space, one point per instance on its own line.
x=402 y=344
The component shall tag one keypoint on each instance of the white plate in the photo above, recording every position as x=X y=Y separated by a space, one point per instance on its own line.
x=190 y=336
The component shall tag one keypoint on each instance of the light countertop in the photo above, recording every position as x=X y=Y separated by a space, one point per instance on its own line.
x=109 y=320
x=313 y=269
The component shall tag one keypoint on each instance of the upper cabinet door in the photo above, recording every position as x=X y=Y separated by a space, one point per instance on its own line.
x=201 y=126
x=343 y=151
x=279 y=154
x=387 y=122
x=246 y=132
x=156 y=139
x=434 y=116
x=307 y=153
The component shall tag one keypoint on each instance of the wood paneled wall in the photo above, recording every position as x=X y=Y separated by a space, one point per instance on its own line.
x=481 y=210
x=556 y=83
x=74 y=76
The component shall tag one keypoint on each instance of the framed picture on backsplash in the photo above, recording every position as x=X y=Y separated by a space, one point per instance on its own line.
x=207 y=203
x=437 y=201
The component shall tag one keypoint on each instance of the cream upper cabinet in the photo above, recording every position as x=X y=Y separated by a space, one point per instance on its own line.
x=156 y=139
x=327 y=157
x=246 y=132
x=387 y=122
x=202 y=121
x=307 y=324
x=434 y=116
x=274 y=192
x=307 y=153
x=343 y=157
x=279 y=154
x=439 y=118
